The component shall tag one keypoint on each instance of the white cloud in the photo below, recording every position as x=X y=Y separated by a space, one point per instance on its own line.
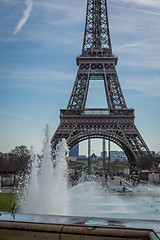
x=129 y=8
x=148 y=85
x=37 y=75
x=153 y=3
x=38 y=81
x=26 y=14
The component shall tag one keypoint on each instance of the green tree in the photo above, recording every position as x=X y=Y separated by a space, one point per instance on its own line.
x=147 y=162
x=20 y=151
x=19 y=158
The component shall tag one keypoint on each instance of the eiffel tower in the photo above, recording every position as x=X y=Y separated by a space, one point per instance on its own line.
x=96 y=62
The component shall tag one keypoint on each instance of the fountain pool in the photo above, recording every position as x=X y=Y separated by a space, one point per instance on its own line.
x=46 y=192
x=88 y=199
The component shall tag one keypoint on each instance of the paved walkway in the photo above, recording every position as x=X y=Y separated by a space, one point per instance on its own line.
x=129 y=183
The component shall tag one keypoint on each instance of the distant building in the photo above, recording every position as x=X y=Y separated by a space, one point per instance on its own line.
x=105 y=152
x=154 y=177
x=152 y=152
x=126 y=170
x=82 y=157
x=115 y=156
x=74 y=152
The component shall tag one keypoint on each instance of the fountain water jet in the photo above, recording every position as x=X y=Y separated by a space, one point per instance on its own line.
x=46 y=192
x=46 y=187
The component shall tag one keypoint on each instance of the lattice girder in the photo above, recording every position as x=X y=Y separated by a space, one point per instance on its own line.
x=97 y=69
x=118 y=129
x=96 y=37
x=97 y=63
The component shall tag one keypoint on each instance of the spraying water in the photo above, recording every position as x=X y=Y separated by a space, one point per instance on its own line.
x=46 y=191
x=46 y=187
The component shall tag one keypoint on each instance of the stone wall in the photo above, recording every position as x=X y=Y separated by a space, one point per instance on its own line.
x=31 y=231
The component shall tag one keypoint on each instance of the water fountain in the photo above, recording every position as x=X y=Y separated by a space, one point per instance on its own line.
x=46 y=191
x=47 y=200
x=46 y=186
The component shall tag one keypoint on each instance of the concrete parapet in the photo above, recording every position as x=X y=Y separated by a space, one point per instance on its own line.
x=41 y=231
x=0 y=183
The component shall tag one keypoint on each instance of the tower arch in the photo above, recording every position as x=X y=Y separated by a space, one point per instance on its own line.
x=107 y=136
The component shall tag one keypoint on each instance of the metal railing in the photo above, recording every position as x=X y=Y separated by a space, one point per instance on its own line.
x=97 y=112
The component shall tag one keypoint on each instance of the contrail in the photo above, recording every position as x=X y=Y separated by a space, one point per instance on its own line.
x=21 y=116
x=26 y=14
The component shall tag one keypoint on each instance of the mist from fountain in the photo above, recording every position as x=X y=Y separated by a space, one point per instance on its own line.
x=46 y=191
x=46 y=187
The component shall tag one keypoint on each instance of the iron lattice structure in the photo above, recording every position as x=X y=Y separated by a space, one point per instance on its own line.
x=96 y=62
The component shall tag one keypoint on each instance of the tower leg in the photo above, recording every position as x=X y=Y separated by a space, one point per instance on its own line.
x=89 y=155
x=104 y=150
x=109 y=156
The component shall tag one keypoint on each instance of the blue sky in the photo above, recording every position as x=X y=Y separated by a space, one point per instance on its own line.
x=39 y=42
